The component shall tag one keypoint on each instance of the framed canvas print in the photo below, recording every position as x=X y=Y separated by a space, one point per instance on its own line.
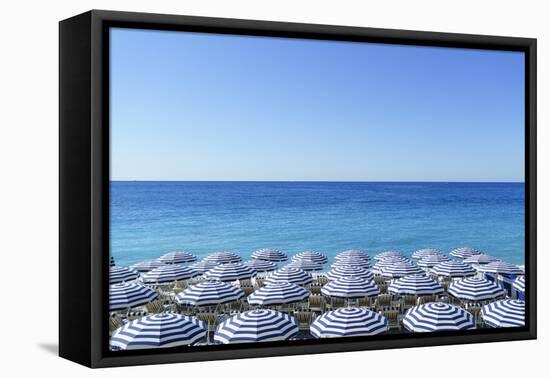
x=234 y=188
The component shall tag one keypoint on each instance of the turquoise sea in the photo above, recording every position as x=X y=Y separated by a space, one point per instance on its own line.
x=151 y=218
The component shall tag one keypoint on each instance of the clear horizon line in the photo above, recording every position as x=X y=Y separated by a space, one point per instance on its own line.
x=337 y=181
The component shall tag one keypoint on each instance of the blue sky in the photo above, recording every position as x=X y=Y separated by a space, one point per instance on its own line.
x=190 y=106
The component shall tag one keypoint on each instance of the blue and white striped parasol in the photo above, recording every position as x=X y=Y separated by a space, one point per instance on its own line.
x=415 y=285
x=349 y=271
x=350 y=287
x=475 y=289
x=269 y=254
x=519 y=284
x=311 y=255
x=387 y=254
x=261 y=265
x=453 y=269
x=119 y=274
x=464 y=252
x=204 y=266
x=504 y=313
x=431 y=261
x=279 y=293
x=256 y=325
x=400 y=269
x=388 y=261
x=123 y=296
x=353 y=253
x=169 y=273
x=346 y=322
x=437 y=316
x=296 y=276
x=480 y=259
x=425 y=252
x=209 y=293
x=500 y=267
x=306 y=265
x=147 y=265
x=177 y=258
x=352 y=261
x=230 y=272
x=223 y=257
x=158 y=331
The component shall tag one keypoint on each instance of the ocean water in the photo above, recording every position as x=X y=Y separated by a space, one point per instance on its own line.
x=151 y=218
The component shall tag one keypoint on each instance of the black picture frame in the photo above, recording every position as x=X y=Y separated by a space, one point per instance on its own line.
x=84 y=190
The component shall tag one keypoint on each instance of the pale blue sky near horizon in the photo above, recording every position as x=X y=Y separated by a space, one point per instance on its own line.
x=206 y=107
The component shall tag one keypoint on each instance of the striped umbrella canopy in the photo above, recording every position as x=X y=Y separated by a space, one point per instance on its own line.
x=453 y=269
x=388 y=261
x=500 y=267
x=279 y=293
x=147 y=265
x=158 y=331
x=352 y=261
x=504 y=313
x=519 y=284
x=123 y=296
x=475 y=289
x=169 y=273
x=349 y=271
x=261 y=265
x=119 y=274
x=177 y=258
x=292 y=275
x=399 y=270
x=209 y=293
x=354 y=253
x=385 y=255
x=223 y=257
x=204 y=266
x=431 y=261
x=256 y=325
x=230 y=272
x=306 y=265
x=464 y=252
x=437 y=316
x=425 y=252
x=112 y=261
x=480 y=259
x=269 y=254
x=417 y=284
x=346 y=322
x=350 y=287
x=311 y=255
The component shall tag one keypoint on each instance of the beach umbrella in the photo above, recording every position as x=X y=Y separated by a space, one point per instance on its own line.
x=261 y=265
x=209 y=293
x=223 y=257
x=349 y=271
x=119 y=274
x=147 y=265
x=292 y=275
x=480 y=259
x=230 y=272
x=177 y=258
x=112 y=262
x=504 y=313
x=453 y=269
x=204 y=266
x=475 y=289
x=306 y=265
x=437 y=316
x=279 y=293
x=400 y=269
x=354 y=253
x=169 y=273
x=352 y=261
x=385 y=255
x=388 y=261
x=415 y=285
x=256 y=325
x=123 y=296
x=350 y=287
x=500 y=267
x=158 y=331
x=350 y=321
x=425 y=252
x=431 y=261
x=464 y=252
x=269 y=254
x=310 y=255
x=519 y=284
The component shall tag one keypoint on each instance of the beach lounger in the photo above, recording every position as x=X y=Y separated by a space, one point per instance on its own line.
x=316 y=303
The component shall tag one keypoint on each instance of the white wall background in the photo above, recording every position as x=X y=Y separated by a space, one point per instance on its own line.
x=28 y=194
